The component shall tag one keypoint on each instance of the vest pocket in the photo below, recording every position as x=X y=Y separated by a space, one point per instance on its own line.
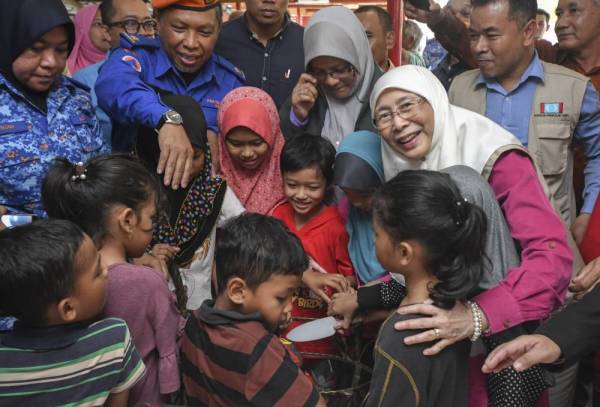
x=554 y=140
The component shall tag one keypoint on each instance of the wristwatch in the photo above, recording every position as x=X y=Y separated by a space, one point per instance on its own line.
x=170 y=117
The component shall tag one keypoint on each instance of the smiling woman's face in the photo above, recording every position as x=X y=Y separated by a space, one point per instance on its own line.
x=409 y=133
x=337 y=76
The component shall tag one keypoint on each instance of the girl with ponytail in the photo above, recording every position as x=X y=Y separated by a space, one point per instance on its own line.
x=428 y=232
x=114 y=200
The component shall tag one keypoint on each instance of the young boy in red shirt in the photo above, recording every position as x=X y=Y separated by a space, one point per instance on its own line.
x=307 y=172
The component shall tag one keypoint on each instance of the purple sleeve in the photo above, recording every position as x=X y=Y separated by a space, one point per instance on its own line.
x=296 y=121
x=166 y=322
x=537 y=286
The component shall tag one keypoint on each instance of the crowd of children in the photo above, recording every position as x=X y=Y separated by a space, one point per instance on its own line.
x=95 y=326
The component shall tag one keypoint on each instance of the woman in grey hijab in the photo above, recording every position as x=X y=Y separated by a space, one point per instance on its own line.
x=332 y=98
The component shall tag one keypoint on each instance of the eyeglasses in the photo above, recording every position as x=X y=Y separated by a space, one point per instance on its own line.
x=98 y=24
x=132 y=26
x=336 y=73
x=406 y=110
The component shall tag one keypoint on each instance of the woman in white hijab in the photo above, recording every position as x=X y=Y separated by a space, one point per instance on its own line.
x=422 y=130
x=332 y=98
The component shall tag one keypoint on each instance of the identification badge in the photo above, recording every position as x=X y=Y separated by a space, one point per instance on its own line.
x=551 y=108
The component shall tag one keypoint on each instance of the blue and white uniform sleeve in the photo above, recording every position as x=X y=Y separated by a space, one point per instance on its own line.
x=122 y=93
x=587 y=133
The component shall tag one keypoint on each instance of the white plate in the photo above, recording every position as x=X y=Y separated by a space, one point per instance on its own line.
x=313 y=330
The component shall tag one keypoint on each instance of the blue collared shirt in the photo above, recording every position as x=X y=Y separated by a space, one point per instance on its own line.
x=88 y=77
x=512 y=111
x=129 y=79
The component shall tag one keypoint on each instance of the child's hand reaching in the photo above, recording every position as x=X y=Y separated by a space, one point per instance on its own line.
x=165 y=252
x=318 y=282
x=344 y=305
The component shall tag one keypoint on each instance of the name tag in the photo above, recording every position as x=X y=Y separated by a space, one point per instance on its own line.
x=14 y=127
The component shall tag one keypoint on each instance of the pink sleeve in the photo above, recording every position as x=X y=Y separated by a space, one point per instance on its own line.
x=166 y=323
x=537 y=287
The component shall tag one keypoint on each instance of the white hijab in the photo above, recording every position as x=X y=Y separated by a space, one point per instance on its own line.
x=336 y=32
x=460 y=137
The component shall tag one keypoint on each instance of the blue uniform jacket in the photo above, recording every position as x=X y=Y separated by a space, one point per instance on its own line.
x=126 y=86
x=30 y=139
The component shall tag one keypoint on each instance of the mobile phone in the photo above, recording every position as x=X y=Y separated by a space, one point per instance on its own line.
x=422 y=4
x=10 y=221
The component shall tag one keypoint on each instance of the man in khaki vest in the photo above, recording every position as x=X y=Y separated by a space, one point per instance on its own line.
x=545 y=105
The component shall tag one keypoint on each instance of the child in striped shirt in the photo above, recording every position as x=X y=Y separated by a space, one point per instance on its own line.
x=55 y=285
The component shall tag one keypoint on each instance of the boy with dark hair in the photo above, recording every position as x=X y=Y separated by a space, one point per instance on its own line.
x=307 y=171
x=54 y=283
x=230 y=355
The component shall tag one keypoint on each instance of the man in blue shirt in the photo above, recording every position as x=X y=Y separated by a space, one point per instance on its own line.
x=536 y=101
x=266 y=46
x=180 y=61
x=119 y=16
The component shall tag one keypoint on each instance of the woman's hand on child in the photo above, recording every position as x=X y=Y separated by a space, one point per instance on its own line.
x=318 y=281
x=446 y=327
x=344 y=305
x=522 y=353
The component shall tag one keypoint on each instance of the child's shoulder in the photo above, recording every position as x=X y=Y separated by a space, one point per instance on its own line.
x=283 y=210
x=331 y=218
x=391 y=342
x=112 y=330
x=245 y=337
x=133 y=274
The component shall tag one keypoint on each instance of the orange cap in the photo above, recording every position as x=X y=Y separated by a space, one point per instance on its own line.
x=185 y=4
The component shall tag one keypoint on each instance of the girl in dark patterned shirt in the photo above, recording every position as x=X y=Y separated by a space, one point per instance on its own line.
x=427 y=232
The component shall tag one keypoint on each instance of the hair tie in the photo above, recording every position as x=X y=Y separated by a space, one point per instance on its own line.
x=460 y=213
x=80 y=171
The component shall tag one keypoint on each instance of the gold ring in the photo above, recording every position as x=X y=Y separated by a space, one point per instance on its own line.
x=437 y=333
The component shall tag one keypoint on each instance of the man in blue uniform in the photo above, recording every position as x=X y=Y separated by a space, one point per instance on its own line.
x=180 y=61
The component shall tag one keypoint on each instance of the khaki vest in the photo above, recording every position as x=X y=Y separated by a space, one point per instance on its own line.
x=550 y=135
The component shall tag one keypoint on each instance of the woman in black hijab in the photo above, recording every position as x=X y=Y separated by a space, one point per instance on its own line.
x=43 y=114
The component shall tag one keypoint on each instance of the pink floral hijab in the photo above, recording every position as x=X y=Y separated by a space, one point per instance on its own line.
x=259 y=190
x=84 y=52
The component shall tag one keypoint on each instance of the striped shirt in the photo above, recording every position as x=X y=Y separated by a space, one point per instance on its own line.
x=230 y=359
x=65 y=365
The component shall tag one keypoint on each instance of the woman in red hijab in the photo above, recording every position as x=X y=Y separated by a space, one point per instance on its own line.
x=92 y=41
x=250 y=146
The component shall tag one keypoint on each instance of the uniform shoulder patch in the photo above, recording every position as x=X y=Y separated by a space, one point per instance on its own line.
x=132 y=62
x=222 y=62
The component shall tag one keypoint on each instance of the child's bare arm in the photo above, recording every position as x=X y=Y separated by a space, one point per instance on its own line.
x=117 y=399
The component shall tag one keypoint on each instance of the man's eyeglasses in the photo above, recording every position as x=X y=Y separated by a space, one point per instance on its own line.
x=336 y=73
x=407 y=110
x=132 y=26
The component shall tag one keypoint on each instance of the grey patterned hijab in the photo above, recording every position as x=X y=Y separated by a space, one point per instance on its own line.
x=336 y=32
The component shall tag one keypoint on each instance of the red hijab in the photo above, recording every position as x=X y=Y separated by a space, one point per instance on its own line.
x=84 y=52
x=261 y=189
